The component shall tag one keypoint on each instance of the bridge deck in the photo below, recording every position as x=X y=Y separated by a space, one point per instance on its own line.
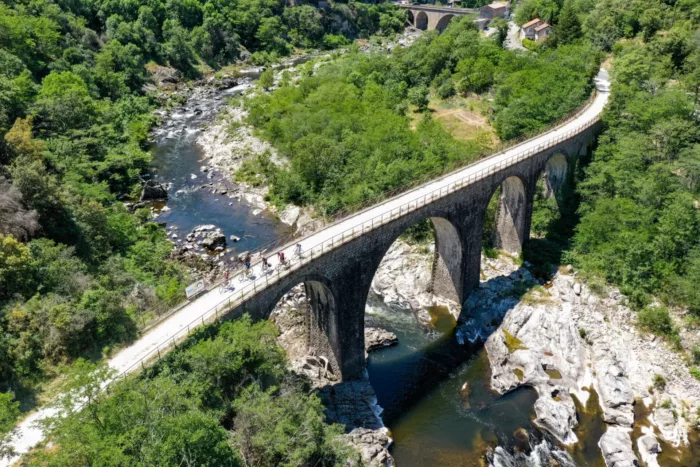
x=209 y=305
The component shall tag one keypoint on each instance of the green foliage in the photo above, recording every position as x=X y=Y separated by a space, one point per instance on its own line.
x=418 y=96
x=344 y=128
x=695 y=373
x=657 y=320
x=644 y=174
x=568 y=28
x=266 y=79
x=233 y=377
x=546 y=10
x=9 y=412
x=659 y=382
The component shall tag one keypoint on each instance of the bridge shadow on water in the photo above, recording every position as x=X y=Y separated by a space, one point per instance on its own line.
x=403 y=375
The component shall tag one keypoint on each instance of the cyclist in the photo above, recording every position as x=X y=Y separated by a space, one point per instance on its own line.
x=246 y=262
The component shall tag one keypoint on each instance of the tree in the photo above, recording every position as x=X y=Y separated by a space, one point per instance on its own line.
x=418 y=96
x=568 y=29
x=267 y=79
x=64 y=103
x=9 y=412
x=501 y=27
x=177 y=47
x=14 y=266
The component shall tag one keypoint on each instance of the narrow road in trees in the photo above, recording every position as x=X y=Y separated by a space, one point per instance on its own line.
x=206 y=307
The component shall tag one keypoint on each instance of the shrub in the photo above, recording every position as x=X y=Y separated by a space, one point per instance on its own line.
x=659 y=382
x=657 y=320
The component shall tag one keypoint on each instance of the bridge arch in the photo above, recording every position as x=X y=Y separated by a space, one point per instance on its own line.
x=443 y=22
x=448 y=262
x=313 y=295
x=410 y=18
x=507 y=214
x=421 y=20
x=555 y=173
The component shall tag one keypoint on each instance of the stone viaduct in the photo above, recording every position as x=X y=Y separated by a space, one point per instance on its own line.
x=339 y=262
x=429 y=17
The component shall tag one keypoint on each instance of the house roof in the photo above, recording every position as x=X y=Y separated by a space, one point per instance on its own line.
x=542 y=26
x=499 y=4
x=532 y=23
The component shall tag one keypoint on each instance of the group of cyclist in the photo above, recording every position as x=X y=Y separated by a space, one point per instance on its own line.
x=266 y=266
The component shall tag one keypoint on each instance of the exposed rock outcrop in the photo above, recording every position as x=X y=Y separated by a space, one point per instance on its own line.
x=617 y=448
x=560 y=339
x=376 y=338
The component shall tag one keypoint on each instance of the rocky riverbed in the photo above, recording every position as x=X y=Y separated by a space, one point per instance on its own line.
x=565 y=342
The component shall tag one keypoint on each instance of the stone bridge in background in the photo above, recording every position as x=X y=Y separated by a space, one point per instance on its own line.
x=429 y=17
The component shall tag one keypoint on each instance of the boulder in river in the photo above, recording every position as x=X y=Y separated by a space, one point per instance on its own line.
x=153 y=190
x=214 y=241
x=376 y=338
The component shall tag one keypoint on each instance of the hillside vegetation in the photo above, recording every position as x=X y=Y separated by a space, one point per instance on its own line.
x=346 y=131
x=77 y=271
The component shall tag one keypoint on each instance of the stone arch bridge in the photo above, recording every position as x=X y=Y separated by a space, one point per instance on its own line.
x=429 y=17
x=339 y=262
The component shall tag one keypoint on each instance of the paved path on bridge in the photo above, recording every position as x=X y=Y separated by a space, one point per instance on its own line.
x=130 y=358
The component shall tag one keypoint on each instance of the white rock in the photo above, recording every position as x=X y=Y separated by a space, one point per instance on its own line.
x=290 y=215
x=617 y=448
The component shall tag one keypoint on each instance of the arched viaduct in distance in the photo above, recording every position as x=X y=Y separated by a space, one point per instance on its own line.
x=429 y=17
x=338 y=281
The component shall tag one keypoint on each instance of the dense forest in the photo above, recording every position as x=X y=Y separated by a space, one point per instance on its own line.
x=78 y=272
x=346 y=131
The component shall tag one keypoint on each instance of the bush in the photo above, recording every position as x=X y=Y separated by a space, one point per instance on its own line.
x=657 y=320
x=659 y=382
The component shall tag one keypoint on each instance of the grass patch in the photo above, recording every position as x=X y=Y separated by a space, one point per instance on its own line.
x=659 y=382
x=658 y=321
x=695 y=372
x=512 y=342
x=491 y=253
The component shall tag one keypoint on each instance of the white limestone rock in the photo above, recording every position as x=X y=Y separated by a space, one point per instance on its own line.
x=290 y=215
x=616 y=446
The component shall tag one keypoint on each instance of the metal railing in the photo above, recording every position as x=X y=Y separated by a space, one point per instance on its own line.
x=319 y=249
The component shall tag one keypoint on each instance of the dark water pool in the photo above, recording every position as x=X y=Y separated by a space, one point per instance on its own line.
x=433 y=417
